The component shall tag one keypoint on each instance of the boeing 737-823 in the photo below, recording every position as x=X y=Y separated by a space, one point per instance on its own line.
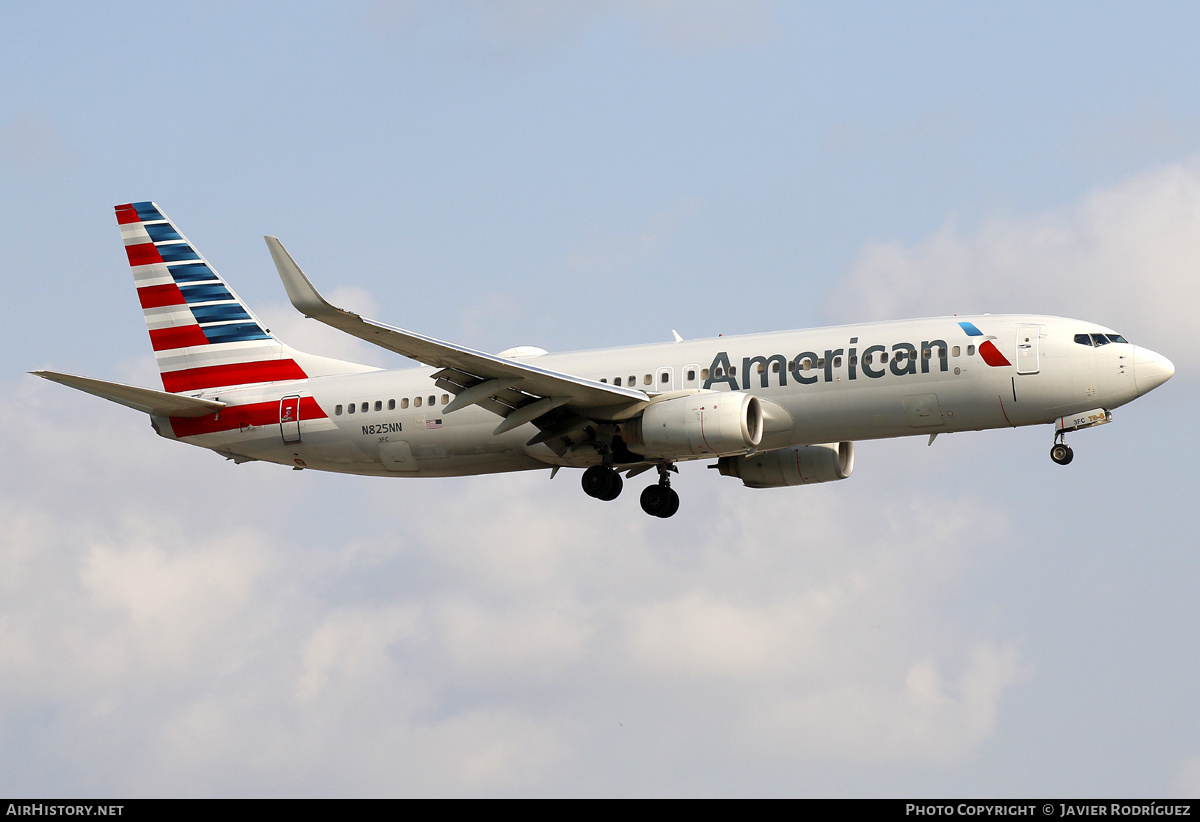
x=773 y=409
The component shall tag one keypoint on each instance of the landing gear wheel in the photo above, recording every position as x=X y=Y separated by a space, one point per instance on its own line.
x=602 y=483
x=673 y=506
x=1062 y=453
x=615 y=484
x=660 y=501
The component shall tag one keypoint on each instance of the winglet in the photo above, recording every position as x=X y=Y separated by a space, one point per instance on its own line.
x=304 y=296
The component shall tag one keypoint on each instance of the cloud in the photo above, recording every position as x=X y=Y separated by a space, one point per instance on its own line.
x=172 y=623
x=1125 y=256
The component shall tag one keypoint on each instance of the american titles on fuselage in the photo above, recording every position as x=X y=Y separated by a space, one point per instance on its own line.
x=808 y=367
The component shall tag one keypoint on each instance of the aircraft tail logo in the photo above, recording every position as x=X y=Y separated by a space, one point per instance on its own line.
x=202 y=333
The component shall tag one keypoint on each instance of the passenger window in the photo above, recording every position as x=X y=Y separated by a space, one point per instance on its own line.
x=337 y=410
x=604 y=380
x=761 y=368
x=775 y=366
x=868 y=359
x=632 y=380
x=445 y=398
x=691 y=375
x=733 y=370
x=378 y=405
x=404 y=402
x=664 y=377
x=955 y=351
x=364 y=407
x=806 y=365
x=616 y=380
x=647 y=380
x=837 y=362
x=970 y=350
x=854 y=360
x=926 y=353
x=351 y=407
x=416 y=402
x=391 y=405
x=820 y=362
x=704 y=374
x=432 y=399
x=883 y=355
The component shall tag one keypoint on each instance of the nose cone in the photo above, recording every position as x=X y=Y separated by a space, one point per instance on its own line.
x=1150 y=370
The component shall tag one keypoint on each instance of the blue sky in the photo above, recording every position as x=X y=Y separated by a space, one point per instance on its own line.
x=966 y=619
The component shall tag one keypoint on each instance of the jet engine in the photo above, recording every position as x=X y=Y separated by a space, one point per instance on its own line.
x=708 y=424
x=802 y=465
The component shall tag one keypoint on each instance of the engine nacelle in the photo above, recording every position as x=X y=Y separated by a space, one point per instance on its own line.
x=801 y=465
x=708 y=424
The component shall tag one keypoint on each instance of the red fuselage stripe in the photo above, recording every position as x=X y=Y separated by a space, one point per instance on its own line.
x=257 y=414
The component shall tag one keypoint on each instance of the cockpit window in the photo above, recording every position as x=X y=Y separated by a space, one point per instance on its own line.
x=1099 y=339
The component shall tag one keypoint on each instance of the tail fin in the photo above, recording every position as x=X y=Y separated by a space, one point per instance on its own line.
x=204 y=336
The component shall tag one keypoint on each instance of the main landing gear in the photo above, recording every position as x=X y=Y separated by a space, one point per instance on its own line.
x=602 y=482
x=661 y=500
x=1060 y=452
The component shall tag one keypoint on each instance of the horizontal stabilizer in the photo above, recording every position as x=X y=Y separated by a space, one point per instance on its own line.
x=146 y=400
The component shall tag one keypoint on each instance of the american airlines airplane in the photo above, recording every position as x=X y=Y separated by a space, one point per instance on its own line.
x=772 y=410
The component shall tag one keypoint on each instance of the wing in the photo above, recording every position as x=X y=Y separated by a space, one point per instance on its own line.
x=514 y=390
x=146 y=400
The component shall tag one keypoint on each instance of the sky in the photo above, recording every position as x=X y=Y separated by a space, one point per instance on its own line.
x=966 y=619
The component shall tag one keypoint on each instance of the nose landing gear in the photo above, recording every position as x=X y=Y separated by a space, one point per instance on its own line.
x=1060 y=452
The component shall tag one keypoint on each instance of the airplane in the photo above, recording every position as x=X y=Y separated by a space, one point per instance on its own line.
x=773 y=410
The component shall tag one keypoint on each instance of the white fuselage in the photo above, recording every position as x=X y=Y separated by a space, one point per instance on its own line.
x=840 y=383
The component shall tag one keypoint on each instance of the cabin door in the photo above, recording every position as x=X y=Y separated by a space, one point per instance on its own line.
x=1027 y=349
x=289 y=419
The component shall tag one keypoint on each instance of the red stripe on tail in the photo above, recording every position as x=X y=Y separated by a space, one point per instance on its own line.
x=143 y=254
x=156 y=296
x=192 y=379
x=163 y=339
x=127 y=214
